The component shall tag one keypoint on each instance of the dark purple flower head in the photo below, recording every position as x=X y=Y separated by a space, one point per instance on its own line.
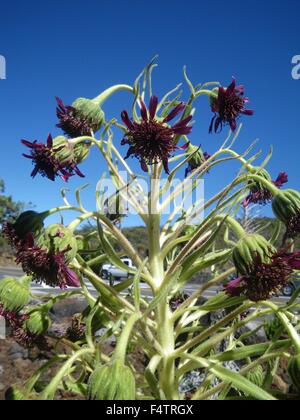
x=261 y=195
x=177 y=300
x=80 y=120
x=228 y=106
x=29 y=340
x=70 y=122
x=293 y=227
x=76 y=332
x=265 y=279
x=152 y=140
x=47 y=162
x=15 y=319
x=22 y=336
x=45 y=265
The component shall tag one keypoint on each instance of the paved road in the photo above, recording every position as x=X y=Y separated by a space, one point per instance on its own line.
x=44 y=290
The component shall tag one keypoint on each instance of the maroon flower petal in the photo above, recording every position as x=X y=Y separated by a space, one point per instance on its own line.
x=49 y=141
x=72 y=279
x=248 y=112
x=29 y=144
x=166 y=166
x=126 y=120
x=233 y=125
x=144 y=113
x=184 y=147
x=234 y=287
x=131 y=151
x=281 y=179
x=179 y=108
x=144 y=166
x=153 y=106
x=182 y=123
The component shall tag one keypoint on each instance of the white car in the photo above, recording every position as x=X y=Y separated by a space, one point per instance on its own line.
x=111 y=272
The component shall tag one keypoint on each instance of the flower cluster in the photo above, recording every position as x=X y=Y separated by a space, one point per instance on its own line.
x=83 y=118
x=228 y=104
x=177 y=300
x=152 y=140
x=46 y=265
x=14 y=318
x=261 y=195
x=20 y=334
x=77 y=329
x=48 y=162
x=286 y=207
x=264 y=279
x=70 y=121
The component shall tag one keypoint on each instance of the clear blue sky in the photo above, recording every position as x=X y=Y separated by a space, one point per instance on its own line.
x=78 y=48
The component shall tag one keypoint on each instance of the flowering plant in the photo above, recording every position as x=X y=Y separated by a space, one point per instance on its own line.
x=166 y=325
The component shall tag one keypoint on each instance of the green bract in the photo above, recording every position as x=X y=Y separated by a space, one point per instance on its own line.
x=286 y=204
x=90 y=111
x=256 y=375
x=67 y=153
x=14 y=293
x=39 y=321
x=59 y=238
x=113 y=381
x=249 y=248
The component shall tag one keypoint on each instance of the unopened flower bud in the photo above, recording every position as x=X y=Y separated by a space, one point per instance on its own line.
x=67 y=153
x=256 y=376
x=286 y=205
x=248 y=249
x=14 y=293
x=38 y=321
x=227 y=104
x=113 y=381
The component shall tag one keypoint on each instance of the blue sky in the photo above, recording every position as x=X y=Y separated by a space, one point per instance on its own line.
x=79 y=48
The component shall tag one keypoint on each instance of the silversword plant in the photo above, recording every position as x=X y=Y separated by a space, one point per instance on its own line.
x=178 y=338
